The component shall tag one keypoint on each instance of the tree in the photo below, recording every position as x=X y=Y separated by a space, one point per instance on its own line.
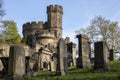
x=101 y=29
x=10 y=33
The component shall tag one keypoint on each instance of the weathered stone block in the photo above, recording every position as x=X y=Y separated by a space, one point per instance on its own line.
x=84 y=50
x=101 y=56
x=16 y=67
x=71 y=51
x=62 y=58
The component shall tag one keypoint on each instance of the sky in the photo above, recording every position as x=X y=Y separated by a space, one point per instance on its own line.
x=76 y=13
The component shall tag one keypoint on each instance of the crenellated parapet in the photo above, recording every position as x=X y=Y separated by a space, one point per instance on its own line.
x=32 y=27
x=55 y=8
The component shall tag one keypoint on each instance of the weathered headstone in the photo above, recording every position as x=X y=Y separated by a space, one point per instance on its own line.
x=16 y=67
x=71 y=51
x=101 y=56
x=84 y=50
x=111 y=56
x=62 y=58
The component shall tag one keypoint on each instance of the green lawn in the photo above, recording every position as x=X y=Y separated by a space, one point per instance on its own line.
x=83 y=74
x=80 y=74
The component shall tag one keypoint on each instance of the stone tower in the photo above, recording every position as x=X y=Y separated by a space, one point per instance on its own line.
x=54 y=13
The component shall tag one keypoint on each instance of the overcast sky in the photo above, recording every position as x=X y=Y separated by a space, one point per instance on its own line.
x=76 y=13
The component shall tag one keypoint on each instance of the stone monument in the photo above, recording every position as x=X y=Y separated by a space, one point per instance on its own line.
x=16 y=68
x=101 y=56
x=71 y=51
x=62 y=58
x=83 y=60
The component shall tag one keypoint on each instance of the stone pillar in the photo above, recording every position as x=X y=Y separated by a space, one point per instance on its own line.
x=71 y=51
x=101 y=56
x=62 y=58
x=111 y=56
x=16 y=68
x=84 y=50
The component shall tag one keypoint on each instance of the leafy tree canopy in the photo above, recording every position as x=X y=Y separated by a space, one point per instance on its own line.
x=9 y=33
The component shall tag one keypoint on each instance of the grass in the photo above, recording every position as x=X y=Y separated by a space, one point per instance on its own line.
x=83 y=74
x=80 y=74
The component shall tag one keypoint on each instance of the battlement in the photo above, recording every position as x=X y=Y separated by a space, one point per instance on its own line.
x=55 y=8
x=33 y=25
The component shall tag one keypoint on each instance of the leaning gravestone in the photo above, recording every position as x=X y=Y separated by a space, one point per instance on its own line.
x=16 y=68
x=62 y=58
x=84 y=49
x=101 y=56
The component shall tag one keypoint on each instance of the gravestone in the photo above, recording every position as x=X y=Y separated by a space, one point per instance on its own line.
x=84 y=50
x=16 y=68
x=101 y=56
x=62 y=58
x=111 y=56
x=71 y=51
